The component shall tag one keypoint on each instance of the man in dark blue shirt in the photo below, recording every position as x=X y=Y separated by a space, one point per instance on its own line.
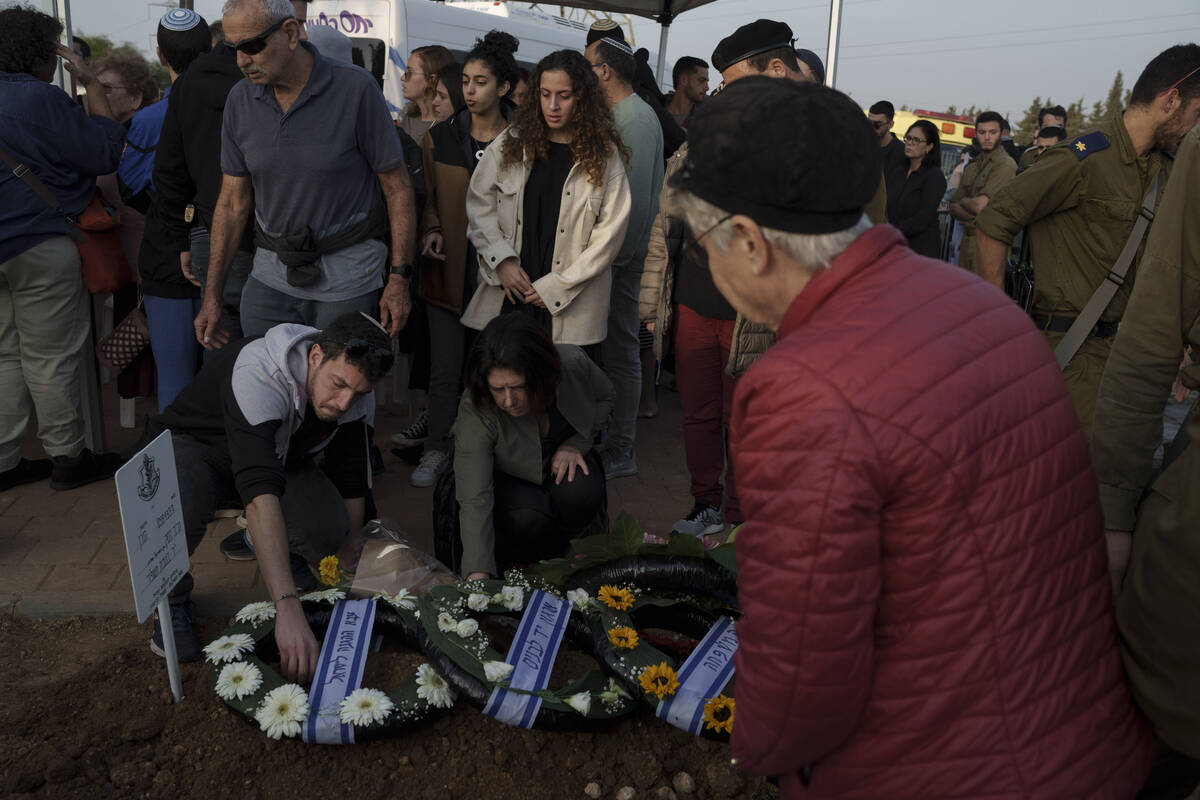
x=48 y=142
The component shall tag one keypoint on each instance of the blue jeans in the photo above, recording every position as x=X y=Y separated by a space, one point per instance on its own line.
x=263 y=308
x=173 y=341
x=622 y=361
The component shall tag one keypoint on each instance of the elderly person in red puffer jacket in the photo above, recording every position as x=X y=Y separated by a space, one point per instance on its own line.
x=923 y=575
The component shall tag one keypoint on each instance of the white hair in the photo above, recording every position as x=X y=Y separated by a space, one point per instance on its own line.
x=812 y=251
x=272 y=10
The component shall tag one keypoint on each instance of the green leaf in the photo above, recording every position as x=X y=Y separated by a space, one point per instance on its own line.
x=726 y=556
x=628 y=532
x=684 y=545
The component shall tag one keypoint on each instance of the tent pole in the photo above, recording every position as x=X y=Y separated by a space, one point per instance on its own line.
x=831 y=50
x=662 y=49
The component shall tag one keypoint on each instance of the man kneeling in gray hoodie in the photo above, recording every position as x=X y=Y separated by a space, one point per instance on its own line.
x=247 y=431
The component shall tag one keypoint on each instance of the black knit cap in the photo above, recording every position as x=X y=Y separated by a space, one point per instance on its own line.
x=750 y=40
x=796 y=157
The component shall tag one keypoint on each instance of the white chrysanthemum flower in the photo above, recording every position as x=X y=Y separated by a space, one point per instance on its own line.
x=365 y=707
x=478 y=601
x=447 y=623
x=433 y=688
x=330 y=596
x=496 y=671
x=579 y=598
x=237 y=680
x=581 y=702
x=403 y=599
x=467 y=628
x=228 y=648
x=256 y=613
x=283 y=711
x=512 y=598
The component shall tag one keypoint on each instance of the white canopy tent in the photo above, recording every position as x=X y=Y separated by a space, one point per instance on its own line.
x=664 y=13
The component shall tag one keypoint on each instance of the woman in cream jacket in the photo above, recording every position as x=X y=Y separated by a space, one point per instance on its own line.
x=548 y=206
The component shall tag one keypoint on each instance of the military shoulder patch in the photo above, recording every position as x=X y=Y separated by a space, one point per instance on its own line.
x=1089 y=143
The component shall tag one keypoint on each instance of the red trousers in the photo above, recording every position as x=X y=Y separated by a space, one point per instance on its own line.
x=706 y=392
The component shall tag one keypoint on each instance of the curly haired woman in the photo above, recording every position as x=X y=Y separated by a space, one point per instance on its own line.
x=548 y=206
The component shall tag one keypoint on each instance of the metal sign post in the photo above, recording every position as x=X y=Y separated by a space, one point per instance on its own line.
x=155 y=542
x=831 y=50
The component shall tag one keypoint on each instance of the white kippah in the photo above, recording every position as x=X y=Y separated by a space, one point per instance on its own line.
x=180 y=19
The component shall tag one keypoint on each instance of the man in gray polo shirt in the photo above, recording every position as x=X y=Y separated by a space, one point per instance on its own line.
x=308 y=142
x=612 y=60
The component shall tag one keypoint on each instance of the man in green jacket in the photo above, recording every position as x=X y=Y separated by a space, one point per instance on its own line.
x=1080 y=202
x=1158 y=611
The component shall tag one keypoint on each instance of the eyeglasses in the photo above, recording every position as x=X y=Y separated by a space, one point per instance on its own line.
x=879 y=124
x=256 y=44
x=600 y=64
x=357 y=348
x=915 y=140
x=109 y=88
x=697 y=253
x=1184 y=78
x=408 y=74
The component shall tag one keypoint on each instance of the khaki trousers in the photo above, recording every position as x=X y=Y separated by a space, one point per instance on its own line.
x=43 y=327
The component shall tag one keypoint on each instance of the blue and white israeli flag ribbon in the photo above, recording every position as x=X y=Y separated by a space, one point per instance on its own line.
x=703 y=674
x=532 y=655
x=339 y=671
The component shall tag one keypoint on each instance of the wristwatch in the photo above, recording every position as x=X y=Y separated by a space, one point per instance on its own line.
x=404 y=270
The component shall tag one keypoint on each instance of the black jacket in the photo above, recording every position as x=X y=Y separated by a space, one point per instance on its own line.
x=912 y=205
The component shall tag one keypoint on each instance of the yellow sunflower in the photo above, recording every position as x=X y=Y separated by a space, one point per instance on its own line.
x=617 y=597
x=718 y=713
x=659 y=680
x=330 y=574
x=623 y=638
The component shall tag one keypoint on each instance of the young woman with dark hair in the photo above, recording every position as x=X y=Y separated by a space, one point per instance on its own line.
x=526 y=477
x=450 y=151
x=447 y=93
x=915 y=189
x=548 y=207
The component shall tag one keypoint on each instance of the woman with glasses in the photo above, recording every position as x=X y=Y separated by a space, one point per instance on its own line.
x=915 y=189
x=548 y=206
x=418 y=82
x=527 y=478
x=449 y=264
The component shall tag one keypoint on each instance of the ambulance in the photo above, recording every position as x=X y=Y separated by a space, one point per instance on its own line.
x=954 y=131
x=384 y=32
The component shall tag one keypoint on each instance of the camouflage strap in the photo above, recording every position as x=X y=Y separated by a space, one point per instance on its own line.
x=1079 y=331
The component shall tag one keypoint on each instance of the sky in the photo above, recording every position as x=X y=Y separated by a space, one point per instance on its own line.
x=922 y=53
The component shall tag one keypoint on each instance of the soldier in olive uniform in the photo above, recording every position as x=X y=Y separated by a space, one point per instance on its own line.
x=1159 y=610
x=981 y=179
x=1080 y=202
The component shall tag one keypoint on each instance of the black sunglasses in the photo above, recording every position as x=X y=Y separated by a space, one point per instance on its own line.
x=256 y=44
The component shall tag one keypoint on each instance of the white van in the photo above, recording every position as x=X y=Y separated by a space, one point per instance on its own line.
x=384 y=32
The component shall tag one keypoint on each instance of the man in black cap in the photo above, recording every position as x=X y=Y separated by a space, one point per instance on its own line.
x=713 y=344
x=903 y=581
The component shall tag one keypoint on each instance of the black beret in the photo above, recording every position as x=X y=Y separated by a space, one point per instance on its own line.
x=750 y=40
x=796 y=157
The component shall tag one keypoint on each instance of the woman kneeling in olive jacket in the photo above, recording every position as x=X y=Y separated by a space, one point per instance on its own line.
x=526 y=476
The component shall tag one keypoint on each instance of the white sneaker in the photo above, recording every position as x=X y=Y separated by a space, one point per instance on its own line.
x=414 y=434
x=427 y=471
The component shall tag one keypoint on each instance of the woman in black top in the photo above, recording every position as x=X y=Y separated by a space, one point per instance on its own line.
x=915 y=189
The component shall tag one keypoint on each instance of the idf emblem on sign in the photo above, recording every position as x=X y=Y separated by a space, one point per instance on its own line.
x=149 y=477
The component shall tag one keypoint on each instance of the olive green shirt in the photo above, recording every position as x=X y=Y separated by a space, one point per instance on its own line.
x=1028 y=158
x=1163 y=315
x=1079 y=207
x=489 y=439
x=984 y=176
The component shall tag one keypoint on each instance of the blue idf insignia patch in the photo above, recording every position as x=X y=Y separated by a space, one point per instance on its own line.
x=1089 y=143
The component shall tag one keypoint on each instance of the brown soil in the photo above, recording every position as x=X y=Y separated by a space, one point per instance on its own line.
x=86 y=713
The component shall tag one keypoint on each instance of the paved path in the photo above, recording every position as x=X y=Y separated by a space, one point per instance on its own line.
x=63 y=553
